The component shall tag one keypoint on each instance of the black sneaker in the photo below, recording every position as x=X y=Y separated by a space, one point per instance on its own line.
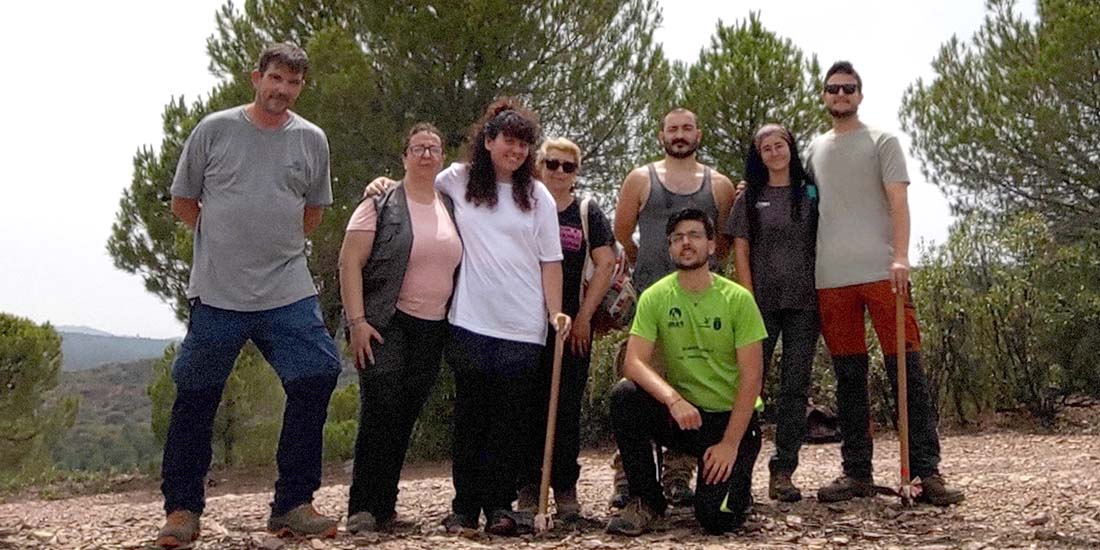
x=934 y=490
x=846 y=488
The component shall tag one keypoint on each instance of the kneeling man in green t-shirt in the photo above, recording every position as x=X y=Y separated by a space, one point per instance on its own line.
x=709 y=330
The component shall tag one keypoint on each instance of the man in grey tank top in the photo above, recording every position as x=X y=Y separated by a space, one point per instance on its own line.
x=649 y=196
x=252 y=182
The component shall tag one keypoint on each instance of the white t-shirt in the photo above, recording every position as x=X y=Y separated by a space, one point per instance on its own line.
x=499 y=290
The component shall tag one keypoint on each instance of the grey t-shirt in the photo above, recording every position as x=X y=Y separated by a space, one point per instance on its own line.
x=854 y=235
x=253 y=184
x=781 y=252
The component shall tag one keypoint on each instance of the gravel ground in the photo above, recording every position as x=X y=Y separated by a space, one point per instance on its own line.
x=1023 y=491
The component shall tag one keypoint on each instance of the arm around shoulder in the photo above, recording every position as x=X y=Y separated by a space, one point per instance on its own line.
x=187 y=210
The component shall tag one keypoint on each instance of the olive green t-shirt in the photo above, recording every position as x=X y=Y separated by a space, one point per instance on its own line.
x=699 y=334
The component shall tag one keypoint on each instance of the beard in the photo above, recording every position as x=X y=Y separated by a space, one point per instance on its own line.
x=843 y=114
x=692 y=147
x=692 y=266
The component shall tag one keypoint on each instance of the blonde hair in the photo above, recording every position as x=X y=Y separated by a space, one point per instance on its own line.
x=560 y=144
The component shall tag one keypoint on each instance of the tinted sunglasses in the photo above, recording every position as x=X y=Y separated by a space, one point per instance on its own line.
x=836 y=88
x=566 y=166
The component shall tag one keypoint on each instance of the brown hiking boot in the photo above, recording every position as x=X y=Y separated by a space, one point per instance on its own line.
x=934 y=490
x=781 y=488
x=565 y=501
x=302 y=521
x=181 y=528
x=846 y=488
x=634 y=519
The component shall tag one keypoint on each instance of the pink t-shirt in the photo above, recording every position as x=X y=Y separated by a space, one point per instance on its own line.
x=436 y=251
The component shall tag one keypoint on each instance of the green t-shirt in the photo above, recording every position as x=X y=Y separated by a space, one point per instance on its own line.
x=699 y=334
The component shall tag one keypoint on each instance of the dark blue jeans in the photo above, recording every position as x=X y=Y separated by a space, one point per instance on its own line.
x=639 y=420
x=800 y=330
x=294 y=340
x=495 y=383
x=392 y=393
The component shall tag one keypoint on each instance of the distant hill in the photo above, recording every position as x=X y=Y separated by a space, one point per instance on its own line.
x=112 y=427
x=81 y=329
x=85 y=348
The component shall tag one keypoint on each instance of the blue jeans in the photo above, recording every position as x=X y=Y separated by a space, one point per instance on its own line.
x=293 y=338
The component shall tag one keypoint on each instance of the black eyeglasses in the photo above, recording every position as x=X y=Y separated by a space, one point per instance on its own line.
x=419 y=150
x=566 y=166
x=836 y=88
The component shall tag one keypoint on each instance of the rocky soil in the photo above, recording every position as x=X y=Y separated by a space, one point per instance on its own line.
x=1023 y=491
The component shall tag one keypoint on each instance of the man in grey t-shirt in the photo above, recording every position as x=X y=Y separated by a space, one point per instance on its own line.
x=252 y=182
x=862 y=262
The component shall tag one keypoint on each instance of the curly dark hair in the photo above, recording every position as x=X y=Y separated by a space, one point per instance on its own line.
x=756 y=175
x=505 y=116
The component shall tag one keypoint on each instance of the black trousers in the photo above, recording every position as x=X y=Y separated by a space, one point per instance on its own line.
x=392 y=393
x=567 y=432
x=800 y=330
x=494 y=389
x=639 y=420
x=853 y=407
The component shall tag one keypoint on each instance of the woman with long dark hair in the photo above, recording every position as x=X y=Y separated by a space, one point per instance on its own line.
x=774 y=225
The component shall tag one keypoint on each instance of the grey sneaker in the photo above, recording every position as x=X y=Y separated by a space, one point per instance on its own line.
x=846 y=488
x=302 y=521
x=934 y=490
x=781 y=488
x=181 y=528
x=634 y=519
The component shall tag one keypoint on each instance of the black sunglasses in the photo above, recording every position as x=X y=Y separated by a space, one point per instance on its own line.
x=836 y=88
x=566 y=166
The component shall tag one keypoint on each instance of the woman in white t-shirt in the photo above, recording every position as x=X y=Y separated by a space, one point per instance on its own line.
x=509 y=285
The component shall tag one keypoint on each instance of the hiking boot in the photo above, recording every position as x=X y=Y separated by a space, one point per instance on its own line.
x=181 y=528
x=565 y=501
x=678 y=492
x=846 y=488
x=366 y=522
x=934 y=490
x=782 y=489
x=528 y=499
x=302 y=521
x=676 y=476
x=455 y=523
x=634 y=519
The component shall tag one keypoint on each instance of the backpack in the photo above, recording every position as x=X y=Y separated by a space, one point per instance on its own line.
x=617 y=308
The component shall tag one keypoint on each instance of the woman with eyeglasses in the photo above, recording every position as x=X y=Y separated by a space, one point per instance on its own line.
x=509 y=285
x=774 y=226
x=397 y=267
x=587 y=250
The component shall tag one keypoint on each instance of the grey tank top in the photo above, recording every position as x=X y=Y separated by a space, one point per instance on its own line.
x=653 y=259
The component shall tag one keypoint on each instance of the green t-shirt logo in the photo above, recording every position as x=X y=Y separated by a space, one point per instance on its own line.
x=674 y=318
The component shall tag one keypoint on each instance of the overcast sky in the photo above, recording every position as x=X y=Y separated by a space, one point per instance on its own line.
x=87 y=83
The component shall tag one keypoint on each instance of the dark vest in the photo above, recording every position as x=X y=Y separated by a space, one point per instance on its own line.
x=389 y=257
